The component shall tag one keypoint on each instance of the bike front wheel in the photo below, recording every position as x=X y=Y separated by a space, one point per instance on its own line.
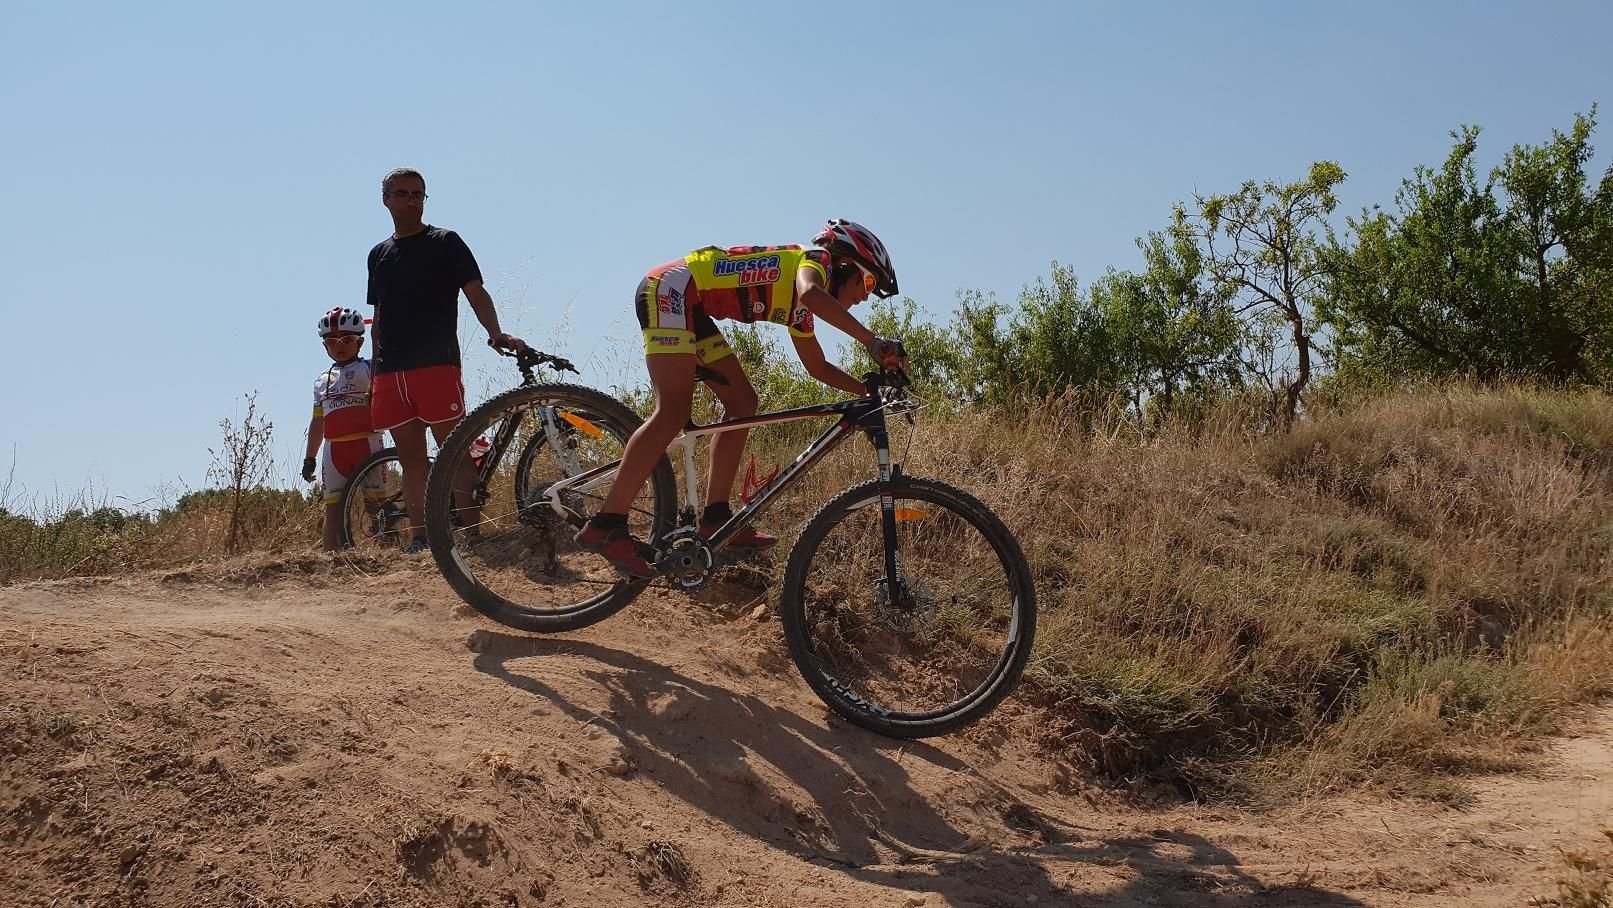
x=502 y=541
x=930 y=653
x=374 y=518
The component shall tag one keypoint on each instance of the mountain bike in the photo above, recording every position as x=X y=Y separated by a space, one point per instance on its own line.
x=374 y=514
x=906 y=603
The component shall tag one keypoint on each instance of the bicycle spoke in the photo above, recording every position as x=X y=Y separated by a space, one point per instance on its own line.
x=373 y=513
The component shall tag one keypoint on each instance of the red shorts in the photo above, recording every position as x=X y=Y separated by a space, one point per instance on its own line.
x=430 y=394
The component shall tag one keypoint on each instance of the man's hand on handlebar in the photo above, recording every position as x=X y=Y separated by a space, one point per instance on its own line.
x=506 y=341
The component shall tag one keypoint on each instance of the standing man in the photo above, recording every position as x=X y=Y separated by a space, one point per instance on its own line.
x=416 y=275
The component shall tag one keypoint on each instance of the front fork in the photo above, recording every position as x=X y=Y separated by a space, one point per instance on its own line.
x=894 y=588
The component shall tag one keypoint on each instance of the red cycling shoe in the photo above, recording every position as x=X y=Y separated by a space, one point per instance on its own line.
x=620 y=548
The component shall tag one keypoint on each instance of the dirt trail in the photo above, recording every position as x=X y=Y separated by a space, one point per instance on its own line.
x=289 y=733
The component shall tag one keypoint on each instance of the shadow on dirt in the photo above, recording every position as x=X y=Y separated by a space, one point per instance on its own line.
x=705 y=745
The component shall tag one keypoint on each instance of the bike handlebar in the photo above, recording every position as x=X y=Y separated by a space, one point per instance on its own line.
x=896 y=380
x=527 y=359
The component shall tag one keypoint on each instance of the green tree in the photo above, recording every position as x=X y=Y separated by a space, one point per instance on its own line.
x=1558 y=229
x=1418 y=291
x=1263 y=248
x=1170 y=330
x=1052 y=340
x=1509 y=276
x=934 y=357
x=774 y=370
x=1060 y=339
x=984 y=367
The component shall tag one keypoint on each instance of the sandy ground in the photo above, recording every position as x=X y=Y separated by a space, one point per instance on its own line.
x=294 y=732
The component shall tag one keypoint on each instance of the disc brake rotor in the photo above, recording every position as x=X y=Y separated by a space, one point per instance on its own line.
x=911 y=611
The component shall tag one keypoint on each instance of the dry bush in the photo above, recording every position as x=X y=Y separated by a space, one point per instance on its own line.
x=1404 y=590
x=1590 y=880
x=88 y=535
x=266 y=520
x=242 y=463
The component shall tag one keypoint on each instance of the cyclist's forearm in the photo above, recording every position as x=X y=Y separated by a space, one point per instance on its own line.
x=316 y=434
x=836 y=377
x=481 y=303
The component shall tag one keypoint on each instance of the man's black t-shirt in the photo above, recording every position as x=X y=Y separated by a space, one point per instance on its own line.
x=414 y=287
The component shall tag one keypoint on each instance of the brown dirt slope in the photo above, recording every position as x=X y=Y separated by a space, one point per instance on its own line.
x=298 y=733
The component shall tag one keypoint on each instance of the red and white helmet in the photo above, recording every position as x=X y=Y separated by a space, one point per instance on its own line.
x=847 y=239
x=341 y=321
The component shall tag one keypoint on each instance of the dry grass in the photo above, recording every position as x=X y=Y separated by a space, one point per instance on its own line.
x=240 y=513
x=1589 y=883
x=1397 y=593
x=663 y=860
x=75 y=541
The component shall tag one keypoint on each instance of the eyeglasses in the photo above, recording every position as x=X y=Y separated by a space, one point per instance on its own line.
x=412 y=195
x=341 y=338
x=869 y=281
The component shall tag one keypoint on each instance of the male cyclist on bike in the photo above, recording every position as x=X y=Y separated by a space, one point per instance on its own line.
x=677 y=304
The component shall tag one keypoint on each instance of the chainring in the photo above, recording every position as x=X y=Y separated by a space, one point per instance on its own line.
x=684 y=559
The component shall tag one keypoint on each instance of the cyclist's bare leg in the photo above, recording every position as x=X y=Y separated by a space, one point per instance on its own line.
x=738 y=398
x=332 y=532
x=672 y=378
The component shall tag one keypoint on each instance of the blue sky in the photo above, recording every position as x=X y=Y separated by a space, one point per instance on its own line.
x=192 y=184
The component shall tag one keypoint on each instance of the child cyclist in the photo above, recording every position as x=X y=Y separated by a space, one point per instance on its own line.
x=677 y=305
x=341 y=415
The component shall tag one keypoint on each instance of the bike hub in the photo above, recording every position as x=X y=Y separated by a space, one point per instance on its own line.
x=910 y=610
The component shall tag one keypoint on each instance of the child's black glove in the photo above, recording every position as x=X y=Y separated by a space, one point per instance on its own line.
x=308 y=469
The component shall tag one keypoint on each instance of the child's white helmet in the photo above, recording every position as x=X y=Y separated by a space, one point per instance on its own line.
x=341 y=321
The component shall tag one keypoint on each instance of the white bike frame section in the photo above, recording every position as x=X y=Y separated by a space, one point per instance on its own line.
x=551 y=431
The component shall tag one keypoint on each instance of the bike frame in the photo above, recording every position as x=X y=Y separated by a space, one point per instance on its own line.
x=499 y=444
x=527 y=360
x=865 y=414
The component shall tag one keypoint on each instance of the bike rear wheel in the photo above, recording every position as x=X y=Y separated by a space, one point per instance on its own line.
x=512 y=557
x=374 y=518
x=932 y=653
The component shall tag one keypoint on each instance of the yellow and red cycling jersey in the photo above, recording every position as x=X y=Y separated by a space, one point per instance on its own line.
x=676 y=301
